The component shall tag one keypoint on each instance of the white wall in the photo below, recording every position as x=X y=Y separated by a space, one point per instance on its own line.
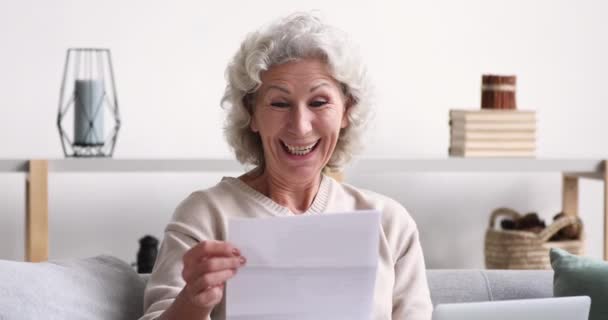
x=426 y=57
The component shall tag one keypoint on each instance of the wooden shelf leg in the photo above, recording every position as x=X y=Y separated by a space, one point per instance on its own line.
x=570 y=195
x=37 y=210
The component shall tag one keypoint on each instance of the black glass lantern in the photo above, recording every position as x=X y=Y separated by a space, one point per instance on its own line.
x=88 y=118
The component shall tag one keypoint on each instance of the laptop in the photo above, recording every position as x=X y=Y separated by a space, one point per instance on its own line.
x=564 y=308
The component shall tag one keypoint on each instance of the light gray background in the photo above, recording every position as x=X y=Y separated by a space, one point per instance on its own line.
x=425 y=56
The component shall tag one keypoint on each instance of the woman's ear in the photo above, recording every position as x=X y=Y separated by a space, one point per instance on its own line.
x=253 y=124
x=347 y=108
x=248 y=102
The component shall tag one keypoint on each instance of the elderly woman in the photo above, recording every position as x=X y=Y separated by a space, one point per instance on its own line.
x=297 y=100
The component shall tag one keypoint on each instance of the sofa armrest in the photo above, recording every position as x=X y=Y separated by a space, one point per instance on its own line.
x=101 y=287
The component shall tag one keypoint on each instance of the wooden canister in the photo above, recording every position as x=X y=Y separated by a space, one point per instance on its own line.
x=498 y=92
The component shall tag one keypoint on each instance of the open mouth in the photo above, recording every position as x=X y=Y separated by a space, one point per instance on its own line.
x=299 y=150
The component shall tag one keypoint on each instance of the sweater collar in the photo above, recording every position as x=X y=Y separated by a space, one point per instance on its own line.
x=318 y=204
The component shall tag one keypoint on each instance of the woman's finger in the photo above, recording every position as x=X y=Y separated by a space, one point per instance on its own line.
x=218 y=264
x=213 y=279
x=193 y=272
x=210 y=248
x=210 y=297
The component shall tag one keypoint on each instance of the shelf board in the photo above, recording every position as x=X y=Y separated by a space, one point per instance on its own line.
x=576 y=167
x=593 y=168
x=13 y=165
x=93 y=165
x=144 y=165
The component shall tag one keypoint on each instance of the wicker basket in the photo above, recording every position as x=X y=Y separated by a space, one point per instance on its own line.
x=512 y=249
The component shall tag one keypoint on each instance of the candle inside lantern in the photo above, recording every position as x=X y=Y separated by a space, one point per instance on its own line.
x=88 y=113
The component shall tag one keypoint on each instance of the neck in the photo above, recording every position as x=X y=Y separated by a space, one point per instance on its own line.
x=297 y=196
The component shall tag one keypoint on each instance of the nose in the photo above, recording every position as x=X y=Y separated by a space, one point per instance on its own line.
x=300 y=120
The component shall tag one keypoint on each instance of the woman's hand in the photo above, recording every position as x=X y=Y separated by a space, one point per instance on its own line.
x=207 y=267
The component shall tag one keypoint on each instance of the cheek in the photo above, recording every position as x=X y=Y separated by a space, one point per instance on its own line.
x=269 y=123
x=333 y=121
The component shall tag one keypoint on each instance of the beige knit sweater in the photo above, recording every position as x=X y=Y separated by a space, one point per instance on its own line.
x=401 y=290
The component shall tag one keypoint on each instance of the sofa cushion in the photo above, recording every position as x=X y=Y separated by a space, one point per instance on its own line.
x=454 y=286
x=581 y=276
x=101 y=287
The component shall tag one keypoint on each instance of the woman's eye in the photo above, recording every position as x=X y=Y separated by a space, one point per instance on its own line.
x=280 y=104
x=318 y=103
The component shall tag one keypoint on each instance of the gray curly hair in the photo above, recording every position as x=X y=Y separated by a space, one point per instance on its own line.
x=298 y=36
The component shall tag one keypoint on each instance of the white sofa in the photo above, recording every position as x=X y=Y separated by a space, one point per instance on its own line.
x=105 y=287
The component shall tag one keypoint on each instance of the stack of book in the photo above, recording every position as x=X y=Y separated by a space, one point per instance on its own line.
x=492 y=133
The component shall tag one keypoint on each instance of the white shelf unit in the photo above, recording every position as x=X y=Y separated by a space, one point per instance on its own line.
x=37 y=174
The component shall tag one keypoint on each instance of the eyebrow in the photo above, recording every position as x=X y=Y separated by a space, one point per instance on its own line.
x=282 y=89
x=318 y=86
x=278 y=88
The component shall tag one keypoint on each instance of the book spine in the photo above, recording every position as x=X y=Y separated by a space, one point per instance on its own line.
x=494 y=118
x=492 y=115
x=493 y=135
x=498 y=145
x=458 y=152
x=506 y=126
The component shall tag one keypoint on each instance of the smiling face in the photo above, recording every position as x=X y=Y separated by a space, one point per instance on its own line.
x=298 y=113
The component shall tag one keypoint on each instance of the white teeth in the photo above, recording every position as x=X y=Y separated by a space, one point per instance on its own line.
x=300 y=150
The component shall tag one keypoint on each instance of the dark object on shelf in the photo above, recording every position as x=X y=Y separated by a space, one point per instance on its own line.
x=528 y=222
x=146 y=256
x=571 y=232
x=532 y=223
x=498 y=92
x=508 y=224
